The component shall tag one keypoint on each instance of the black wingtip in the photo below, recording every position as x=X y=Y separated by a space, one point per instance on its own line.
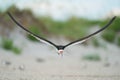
x=114 y=17
x=8 y=13
x=112 y=20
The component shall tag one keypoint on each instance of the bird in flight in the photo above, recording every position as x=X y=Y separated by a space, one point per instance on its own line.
x=60 y=48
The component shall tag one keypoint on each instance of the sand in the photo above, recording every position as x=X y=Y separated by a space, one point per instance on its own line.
x=41 y=62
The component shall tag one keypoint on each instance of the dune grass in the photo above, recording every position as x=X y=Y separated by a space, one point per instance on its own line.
x=35 y=30
x=8 y=44
x=119 y=41
x=110 y=33
x=73 y=28
x=91 y=57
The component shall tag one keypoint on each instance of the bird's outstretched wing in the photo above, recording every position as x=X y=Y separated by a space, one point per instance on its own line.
x=89 y=36
x=34 y=35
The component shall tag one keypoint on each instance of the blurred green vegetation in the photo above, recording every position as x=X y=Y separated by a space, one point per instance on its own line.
x=73 y=28
x=16 y=50
x=8 y=44
x=91 y=57
x=35 y=30
x=111 y=33
x=114 y=26
x=97 y=43
x=119 y=41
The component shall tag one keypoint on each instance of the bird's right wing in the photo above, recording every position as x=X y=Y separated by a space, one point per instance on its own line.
x=34 y=35
x=89 y=36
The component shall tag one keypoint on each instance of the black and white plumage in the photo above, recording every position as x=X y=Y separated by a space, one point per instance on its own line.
x=60 y=48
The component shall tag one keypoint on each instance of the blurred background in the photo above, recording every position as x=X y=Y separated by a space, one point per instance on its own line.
x=60 y=22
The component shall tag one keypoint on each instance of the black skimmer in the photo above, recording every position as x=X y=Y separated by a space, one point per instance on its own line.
x=60 y=48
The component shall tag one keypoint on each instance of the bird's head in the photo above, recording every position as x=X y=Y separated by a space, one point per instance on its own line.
x=60 y=49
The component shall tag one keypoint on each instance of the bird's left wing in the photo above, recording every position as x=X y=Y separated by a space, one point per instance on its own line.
x=89 y=36
x=34 y=35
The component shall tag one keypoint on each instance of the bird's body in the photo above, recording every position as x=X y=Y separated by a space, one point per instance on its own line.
x=60 y=48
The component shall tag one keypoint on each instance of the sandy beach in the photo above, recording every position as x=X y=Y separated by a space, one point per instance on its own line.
x=41 y=62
